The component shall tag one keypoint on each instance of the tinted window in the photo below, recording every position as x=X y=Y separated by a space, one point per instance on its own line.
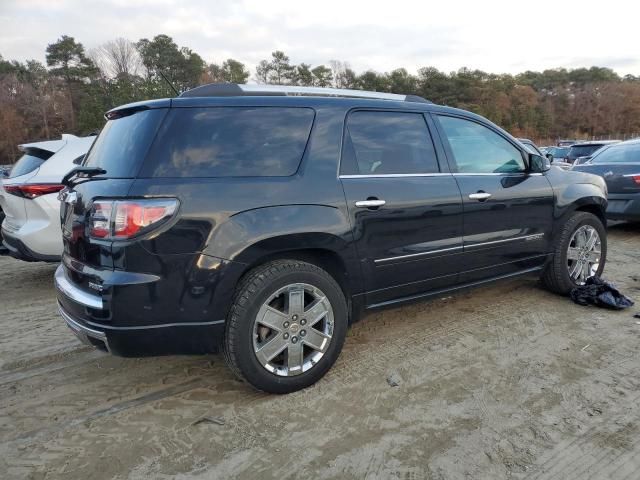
x=477 y=149
x=123 y=143
x=582 y=150
x=29 y=162
x=378 y=143
x=230 y=142
x=629 y=153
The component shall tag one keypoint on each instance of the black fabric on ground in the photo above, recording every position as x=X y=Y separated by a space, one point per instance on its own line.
x=600 y=293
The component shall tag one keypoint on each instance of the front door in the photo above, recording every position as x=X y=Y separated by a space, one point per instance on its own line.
x=508 y=212
x=406 y=213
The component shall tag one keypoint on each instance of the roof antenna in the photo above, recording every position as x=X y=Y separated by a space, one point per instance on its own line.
x=170 y=84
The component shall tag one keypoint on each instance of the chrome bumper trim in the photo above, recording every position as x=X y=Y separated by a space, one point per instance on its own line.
x=74 y=293
x=83 y=333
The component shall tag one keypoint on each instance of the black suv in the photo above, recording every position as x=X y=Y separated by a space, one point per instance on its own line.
x=266 y=220
x=586 y=149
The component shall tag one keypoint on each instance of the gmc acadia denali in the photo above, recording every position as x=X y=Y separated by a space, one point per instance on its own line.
x=264 y=220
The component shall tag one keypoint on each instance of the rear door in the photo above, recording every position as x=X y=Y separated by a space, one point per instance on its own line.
x=508 y=212
x=405 y=210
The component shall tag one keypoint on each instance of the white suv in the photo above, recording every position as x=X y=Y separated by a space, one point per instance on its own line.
x=31 y=228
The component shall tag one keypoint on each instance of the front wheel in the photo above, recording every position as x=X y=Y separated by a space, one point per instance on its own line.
x=580 y=252
x=286 y=326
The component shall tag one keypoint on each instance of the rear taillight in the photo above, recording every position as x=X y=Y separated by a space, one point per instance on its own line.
x=636 y=179
x=124 y=219
x=32 y=190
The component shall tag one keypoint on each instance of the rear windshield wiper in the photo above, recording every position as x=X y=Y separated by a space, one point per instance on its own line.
x=79 y=173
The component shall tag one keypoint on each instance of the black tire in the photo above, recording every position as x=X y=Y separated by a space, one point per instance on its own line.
x=556 y=275
x=255 y=289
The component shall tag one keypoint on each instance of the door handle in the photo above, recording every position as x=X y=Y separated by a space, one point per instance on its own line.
x=370 y=203
x=480 y=196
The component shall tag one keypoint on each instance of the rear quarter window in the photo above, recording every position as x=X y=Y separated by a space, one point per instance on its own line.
x=29 y=162
x=230 y=142
x=123 y=143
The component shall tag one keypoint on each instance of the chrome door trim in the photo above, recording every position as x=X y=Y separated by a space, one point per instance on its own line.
x=396 y=175
x=533 y=236
x=513 y=174
x=412 y=255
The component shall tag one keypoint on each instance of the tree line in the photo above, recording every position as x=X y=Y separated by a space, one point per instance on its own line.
x=76 y=86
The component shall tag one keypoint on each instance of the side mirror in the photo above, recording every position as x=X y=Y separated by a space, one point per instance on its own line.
x=538 y=163
x=79 y=160
x=549 y=156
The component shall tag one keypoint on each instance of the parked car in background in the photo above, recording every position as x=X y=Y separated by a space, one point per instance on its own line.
x=533 y=148
x=31 y=229
x=556 y=156
x=530 y=146
x=586 y=149
x=566 y=143
x=4 y=172
x=266 y=220
x=619 y=165
x=557 y=153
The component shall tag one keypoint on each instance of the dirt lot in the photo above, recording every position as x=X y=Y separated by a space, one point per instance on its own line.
x=506 y=381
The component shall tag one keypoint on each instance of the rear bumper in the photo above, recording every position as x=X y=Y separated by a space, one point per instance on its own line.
x=35 y=233
x=18 y=249
x=623 y=206
x=91 y=318
x=86 y=335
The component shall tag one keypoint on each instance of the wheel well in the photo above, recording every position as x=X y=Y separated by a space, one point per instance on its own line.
x=596 y=210
x=325 y=259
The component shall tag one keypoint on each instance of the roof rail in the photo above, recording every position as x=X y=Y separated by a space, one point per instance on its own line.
x=239 y=90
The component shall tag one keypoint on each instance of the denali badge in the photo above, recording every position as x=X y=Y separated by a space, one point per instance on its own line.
x=95 y=286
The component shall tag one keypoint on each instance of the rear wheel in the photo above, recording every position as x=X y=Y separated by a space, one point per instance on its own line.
x=286 y=326
x=579 y=253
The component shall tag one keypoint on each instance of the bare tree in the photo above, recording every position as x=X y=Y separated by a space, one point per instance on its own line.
x=118 y=58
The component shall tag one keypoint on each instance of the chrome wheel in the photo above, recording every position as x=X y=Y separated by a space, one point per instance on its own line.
x=583 y=254
x=293 y=329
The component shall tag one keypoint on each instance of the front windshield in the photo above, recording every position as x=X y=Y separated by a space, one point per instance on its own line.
x=620 y=153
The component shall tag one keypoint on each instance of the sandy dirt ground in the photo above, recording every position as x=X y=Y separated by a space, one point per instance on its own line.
x=503 y=382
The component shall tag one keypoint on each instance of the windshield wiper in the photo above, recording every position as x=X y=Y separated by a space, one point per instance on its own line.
x=80 y=173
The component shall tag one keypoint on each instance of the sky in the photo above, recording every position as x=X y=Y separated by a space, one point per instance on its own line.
x=498 y=37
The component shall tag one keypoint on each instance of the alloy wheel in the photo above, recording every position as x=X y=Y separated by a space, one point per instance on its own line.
x=583 y=254
x=292 y=330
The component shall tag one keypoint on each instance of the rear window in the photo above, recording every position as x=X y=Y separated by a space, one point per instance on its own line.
x=230 y=142
x=30 y=161
x=582 y=151
x=123 y=143
x=622 y=153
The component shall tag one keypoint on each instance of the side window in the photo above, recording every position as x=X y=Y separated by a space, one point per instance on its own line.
x=477 y=149
x=382 y=143
x=230 y=142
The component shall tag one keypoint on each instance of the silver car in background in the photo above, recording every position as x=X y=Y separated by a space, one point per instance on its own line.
x=31 y=227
